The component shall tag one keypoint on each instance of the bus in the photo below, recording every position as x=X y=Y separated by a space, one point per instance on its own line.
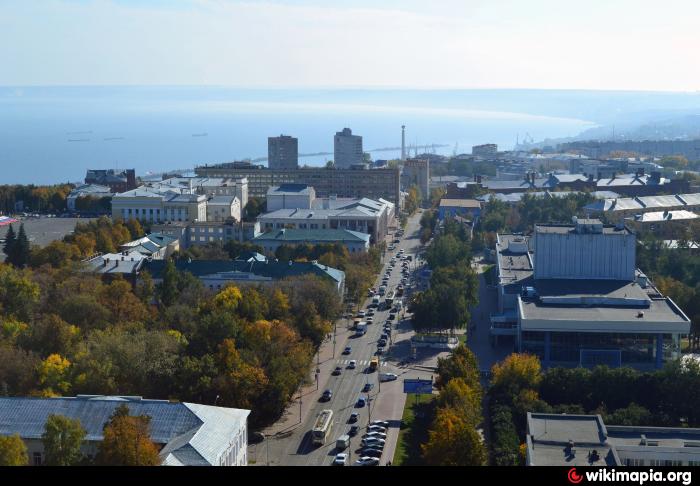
x=322 y=427
x=389 y=299
x=374 y=364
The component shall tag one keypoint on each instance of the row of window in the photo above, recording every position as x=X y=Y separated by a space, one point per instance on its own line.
x=658 y=462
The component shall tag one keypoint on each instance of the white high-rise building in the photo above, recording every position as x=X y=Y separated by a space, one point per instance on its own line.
x=347 y=149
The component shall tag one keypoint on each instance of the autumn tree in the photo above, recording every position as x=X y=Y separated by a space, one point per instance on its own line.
x=517 y=372
x=127 y=441
x=63 y=438
x=453 y=441
x=13 y=452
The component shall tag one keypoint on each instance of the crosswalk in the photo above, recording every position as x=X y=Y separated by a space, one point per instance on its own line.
x=359 y=362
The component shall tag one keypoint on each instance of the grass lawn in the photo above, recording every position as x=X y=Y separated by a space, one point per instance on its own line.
x=414 y=430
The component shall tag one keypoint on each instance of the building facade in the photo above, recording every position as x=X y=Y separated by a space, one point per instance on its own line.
x=347 y=149
x=572 y=296
x=355 y=183
x=485 y=150
x=417 y=172
x=282 y=152
x=117 y=181
x=354 y=241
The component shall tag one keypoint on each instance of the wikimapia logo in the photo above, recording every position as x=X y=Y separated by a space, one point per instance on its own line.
x=638 y=477
x=573 y=476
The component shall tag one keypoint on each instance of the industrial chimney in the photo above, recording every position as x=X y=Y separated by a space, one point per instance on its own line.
x=403 y=142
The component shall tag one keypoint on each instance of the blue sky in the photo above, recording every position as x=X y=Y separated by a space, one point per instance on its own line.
x=593 y=44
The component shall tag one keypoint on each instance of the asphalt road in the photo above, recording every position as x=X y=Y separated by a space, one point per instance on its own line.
x=294 y=447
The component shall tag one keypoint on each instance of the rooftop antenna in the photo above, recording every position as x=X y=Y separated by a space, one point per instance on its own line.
x=403 y=142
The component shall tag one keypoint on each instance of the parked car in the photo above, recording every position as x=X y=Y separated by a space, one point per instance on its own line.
x=388 y=377
x=392 y=316
x=375 y=435
x=376 y=428
x=361 y=314
x=380 y=350
x=354 y=429
x=367 y=387
x=373 y=440
x=367 y=461
x=382 y=342
x=380 y=423
x=353 y=417
x=371 y=452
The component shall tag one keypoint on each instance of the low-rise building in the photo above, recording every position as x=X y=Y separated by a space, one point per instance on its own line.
x=156 y=246
x=251 y=269
x=618 y=208
x=223 y=208
x=485 y=150
x=117 y=181
x=187 y=434
x=271 y=240
x=93 y=191
x=199 y=233
x=469 y=208
x=585 y=440
x=290 y=196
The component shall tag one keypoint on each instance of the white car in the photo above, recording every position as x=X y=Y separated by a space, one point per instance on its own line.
x=367 y=461
x=375 y=435
x=373 y=440
x=340 y=459
x=352 y=364
x=381 y=423
x=376 y=428
x=388 y=377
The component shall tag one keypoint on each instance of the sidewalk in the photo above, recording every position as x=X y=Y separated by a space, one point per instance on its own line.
x=310 y=395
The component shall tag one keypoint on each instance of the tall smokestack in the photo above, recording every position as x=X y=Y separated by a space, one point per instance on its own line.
x=403 y=142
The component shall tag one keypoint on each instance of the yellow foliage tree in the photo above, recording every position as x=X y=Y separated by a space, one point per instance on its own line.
x=228 y=298
x=519 y=371
x=53 y=375
x=452 y=441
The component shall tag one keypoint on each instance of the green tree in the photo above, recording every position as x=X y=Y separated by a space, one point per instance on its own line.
x=168 y=289
x=10 y=241
x=20 y=249
x=13 y=452
x=462 y=364
x=62 y=440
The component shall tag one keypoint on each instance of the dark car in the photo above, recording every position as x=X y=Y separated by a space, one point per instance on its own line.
x=354 y=429
x=382 y=342
x=385 y=336
x=361 y=402
x=353 y=417
x=256 y=437
x=337 y=370
x=347 y=350
x=327 y=395
x=392 y=316
x=371 y=452
x=367 y=387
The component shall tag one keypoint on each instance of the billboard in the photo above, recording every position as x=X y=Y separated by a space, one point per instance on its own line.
x=418 y=387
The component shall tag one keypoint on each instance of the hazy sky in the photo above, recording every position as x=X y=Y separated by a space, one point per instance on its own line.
x=591 y=44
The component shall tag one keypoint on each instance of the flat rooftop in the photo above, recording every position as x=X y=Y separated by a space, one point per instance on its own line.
x=549 y=436
x=514 y=266
x=564 y=229
x=600 y=305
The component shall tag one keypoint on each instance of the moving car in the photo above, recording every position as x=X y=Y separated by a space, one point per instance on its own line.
x=382 y=342
x=337 y=371
x=327 y=395
x=367 y=387
x=380 y=350
x=361 y=402
x=361 y=314
x=354 y=429
x=347 y=350
x=340 y=459
x=352 y=364
x=353 y=417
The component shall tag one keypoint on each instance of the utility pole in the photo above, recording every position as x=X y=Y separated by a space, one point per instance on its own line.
x=300 y=405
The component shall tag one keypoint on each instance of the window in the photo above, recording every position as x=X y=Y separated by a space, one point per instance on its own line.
x=37 y=458
x=634 y=462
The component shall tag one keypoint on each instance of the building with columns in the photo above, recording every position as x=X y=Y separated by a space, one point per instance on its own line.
x=571 y=295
